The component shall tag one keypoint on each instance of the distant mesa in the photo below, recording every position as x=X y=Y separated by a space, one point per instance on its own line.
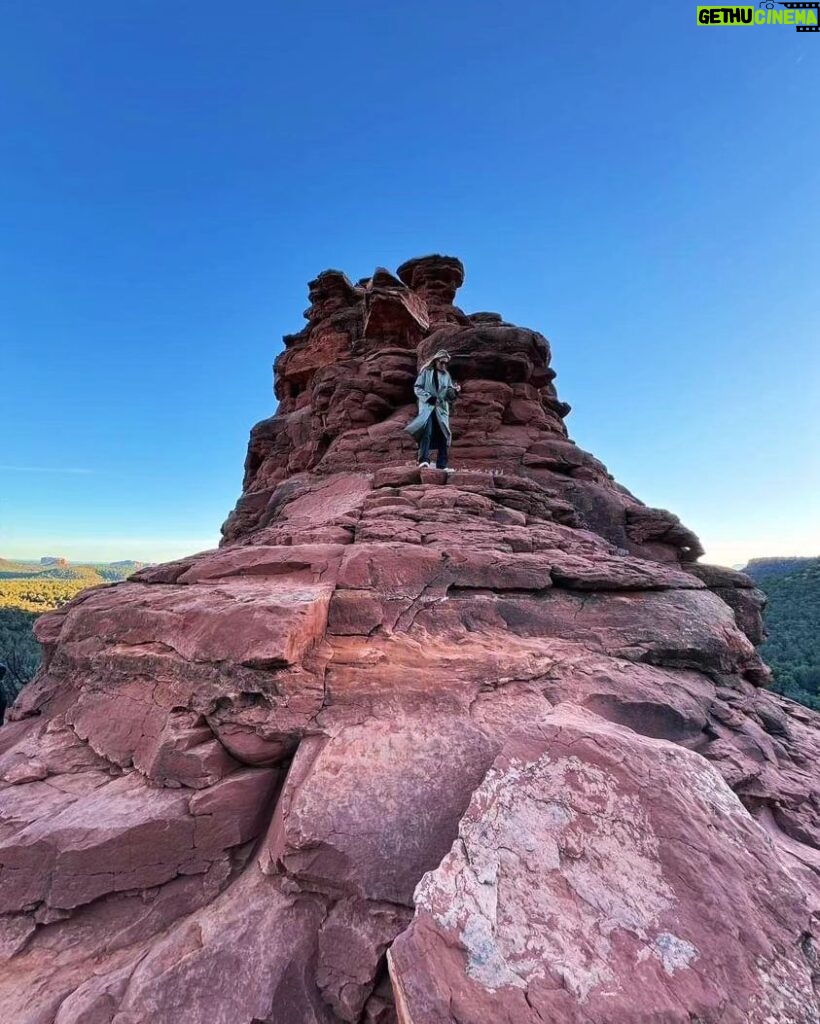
x=54 y=561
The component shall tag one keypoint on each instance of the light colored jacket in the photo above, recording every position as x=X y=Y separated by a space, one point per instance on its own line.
x=425 y=390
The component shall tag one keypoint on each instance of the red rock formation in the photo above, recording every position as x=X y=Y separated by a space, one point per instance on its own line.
x=485 y=748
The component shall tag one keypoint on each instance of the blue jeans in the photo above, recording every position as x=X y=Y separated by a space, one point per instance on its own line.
x=433 y=437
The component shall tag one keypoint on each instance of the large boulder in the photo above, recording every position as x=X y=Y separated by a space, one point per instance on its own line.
x=599 y=875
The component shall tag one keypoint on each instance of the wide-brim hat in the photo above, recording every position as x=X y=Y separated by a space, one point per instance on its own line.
x=441 y=354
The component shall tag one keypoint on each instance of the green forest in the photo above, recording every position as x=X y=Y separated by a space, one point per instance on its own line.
x=32 y=587
x=19 y=652
x=26 y=590
x=792 y=616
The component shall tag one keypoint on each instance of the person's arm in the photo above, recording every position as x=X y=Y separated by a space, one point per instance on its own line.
x=422 y=394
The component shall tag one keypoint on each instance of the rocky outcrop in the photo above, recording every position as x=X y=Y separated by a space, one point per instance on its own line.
x=588 y=856
x=411 y=747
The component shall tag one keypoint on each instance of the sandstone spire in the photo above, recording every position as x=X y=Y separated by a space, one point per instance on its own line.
x=344 y=385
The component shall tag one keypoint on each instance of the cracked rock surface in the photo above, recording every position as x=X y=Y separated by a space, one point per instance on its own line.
x=410 y=748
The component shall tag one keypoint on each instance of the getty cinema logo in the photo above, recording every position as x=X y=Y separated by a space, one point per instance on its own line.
x=804 y=16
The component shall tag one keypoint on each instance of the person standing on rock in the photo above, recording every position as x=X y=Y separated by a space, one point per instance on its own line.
x=435 y=390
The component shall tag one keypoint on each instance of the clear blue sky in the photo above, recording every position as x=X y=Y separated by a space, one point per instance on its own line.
x=644 y=191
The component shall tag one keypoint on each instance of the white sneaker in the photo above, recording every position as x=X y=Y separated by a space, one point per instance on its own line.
x=447 y=469
x=424 y=465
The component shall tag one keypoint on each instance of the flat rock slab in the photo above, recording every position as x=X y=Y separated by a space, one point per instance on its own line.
x=237 y=619
x=114 y=835
x=368 y=811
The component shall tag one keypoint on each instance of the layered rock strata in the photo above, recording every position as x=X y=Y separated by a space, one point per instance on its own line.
x=407 y=747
